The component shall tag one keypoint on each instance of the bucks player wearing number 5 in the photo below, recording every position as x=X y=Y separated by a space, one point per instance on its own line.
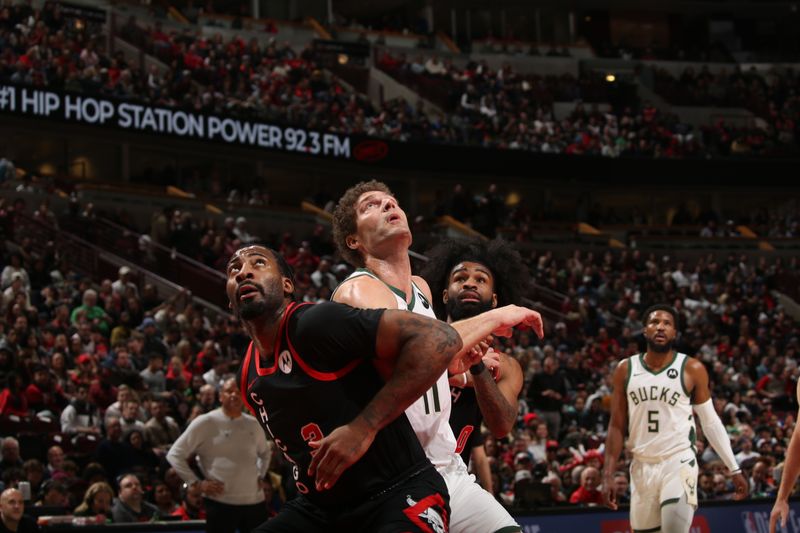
x=467 y=279
x=656 y=393
x=371 y=232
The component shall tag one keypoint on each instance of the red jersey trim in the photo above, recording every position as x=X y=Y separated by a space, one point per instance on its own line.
x=245 y=373
x=316 y=374
x=290 y=309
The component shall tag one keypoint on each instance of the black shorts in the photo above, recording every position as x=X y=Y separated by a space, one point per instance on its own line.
x=418 y=505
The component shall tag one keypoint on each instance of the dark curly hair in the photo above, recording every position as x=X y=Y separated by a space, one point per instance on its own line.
x=344 y=218
x=509 y=272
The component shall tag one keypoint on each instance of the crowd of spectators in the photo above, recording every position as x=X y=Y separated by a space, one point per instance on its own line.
x=503 y=109
x=120 y=370
x=273 y=82
x=771 y=96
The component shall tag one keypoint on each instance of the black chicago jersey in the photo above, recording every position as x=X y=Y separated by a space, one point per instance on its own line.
x=319 y=378
x=465 y=420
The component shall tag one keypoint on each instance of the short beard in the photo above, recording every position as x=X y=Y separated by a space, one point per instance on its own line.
x=457 y=310
x=653 y=347
x=252 y=310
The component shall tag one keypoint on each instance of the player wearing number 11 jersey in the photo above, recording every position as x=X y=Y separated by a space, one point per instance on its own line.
x=371 y=232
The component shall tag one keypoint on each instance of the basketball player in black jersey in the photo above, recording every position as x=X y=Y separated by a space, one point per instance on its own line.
x=329 y=383
x=467 y=279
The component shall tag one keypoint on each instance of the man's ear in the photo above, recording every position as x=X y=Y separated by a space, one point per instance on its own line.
x=494 y=300
x=288 y=286
x=351 y=241
x=445 y=297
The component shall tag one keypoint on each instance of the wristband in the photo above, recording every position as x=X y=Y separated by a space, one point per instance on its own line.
x=477 y=368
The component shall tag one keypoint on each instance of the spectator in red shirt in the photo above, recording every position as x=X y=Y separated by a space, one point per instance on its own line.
x=587 y=493
x=192 y=506
x=43 y=394
x=12 y=399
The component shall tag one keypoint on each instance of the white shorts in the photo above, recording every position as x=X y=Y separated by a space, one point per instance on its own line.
x=472 y=509
x=654 y=485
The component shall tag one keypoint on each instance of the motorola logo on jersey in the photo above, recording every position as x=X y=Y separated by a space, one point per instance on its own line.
x=285 y=362
x=672 y=373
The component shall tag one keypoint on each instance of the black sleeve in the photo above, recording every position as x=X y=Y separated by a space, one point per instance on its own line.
x=330 y=335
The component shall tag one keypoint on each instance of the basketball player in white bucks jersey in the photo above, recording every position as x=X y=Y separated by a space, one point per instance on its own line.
x=656 y=393
x=371 y=231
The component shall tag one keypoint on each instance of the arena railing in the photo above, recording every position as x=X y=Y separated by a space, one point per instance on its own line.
x=97 y=253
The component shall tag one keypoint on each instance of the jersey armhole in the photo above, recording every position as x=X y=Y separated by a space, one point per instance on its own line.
x=630 y=370
x=683 y=381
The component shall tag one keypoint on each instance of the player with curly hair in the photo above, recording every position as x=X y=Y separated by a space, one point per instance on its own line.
x=466 y=279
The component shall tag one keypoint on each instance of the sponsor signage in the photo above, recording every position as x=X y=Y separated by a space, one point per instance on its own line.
x=137 y=117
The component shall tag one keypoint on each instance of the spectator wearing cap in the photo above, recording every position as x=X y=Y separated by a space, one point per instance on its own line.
x=84 y=372
x=14 y=266
x=43 y=395
x=16 y=292
x=123 y=286
x=91 y=312
x=587 y=493
x=241 y=233
x=81 y=416
x=151 y=337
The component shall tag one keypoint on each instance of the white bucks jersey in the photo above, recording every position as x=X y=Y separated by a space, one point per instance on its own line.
x=660 y=420
x=430 y=414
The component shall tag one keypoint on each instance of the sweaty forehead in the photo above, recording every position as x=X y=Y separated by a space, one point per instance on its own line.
x=248 y=251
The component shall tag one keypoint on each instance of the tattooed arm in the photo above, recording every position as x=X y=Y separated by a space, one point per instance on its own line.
x=418 y=350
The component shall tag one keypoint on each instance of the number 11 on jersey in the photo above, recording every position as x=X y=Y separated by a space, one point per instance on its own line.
x=434 y=400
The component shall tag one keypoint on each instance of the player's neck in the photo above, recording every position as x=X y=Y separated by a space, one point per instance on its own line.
x=265 y=330
x=394 y=270
x=658 y=360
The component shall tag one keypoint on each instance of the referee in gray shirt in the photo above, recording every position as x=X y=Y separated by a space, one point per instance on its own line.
x=233 y=456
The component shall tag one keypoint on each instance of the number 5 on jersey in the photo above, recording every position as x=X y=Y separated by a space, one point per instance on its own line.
x=652 y=421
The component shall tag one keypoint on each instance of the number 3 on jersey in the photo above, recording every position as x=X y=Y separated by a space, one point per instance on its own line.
x=434 y=400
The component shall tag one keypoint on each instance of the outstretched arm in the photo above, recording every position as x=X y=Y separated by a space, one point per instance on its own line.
x=791 y=469
x=616 y=433
x=418 y=349
x=697 y=376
